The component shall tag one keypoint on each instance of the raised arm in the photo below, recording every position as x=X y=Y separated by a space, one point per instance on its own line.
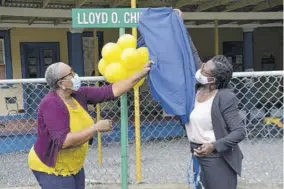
x=196 y=57
x=100 y=94
x=123 y=86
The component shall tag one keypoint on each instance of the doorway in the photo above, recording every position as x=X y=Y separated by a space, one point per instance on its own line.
x=35 y=58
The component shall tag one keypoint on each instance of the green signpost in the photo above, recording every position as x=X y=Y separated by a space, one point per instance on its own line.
x=105 y=18
x=112 y=18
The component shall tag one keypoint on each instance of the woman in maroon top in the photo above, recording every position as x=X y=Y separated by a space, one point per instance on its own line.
x=53 y=131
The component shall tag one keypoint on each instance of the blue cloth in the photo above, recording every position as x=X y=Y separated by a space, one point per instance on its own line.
x=196 y=182
x=171 y=79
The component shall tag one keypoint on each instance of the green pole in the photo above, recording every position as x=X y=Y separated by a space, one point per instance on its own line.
x=124 y=135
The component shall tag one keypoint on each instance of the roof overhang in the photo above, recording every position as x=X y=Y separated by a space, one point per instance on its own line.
x=61 y=13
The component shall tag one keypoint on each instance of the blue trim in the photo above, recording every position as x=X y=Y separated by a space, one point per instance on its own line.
x=75 y=52
x=20 y=143
x=7 y=48
x=19 y=116
x=248 y=50
x=69 y=44
x=22 y=56
x=150 y=131
x=100 y=36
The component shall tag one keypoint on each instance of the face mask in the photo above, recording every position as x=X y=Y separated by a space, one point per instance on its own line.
x=201 y=78
x=76 y=83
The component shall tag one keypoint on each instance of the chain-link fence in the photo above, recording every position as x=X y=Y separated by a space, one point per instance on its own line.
x=164 y=147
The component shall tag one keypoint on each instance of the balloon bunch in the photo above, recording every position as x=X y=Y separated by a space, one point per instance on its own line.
x=122 y=59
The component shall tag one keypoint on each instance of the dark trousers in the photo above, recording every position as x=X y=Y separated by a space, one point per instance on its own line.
x=216 y=173
x=50 y=181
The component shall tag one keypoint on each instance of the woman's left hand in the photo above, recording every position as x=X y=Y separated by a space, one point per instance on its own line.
x=125 y=85
x=204 y=150
x=145 y=70
x=179 y=12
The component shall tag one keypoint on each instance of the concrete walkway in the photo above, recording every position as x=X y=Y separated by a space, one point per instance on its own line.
x=150 y=186
x=117 y=186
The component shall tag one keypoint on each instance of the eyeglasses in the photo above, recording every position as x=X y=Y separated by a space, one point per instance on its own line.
x=72 y=73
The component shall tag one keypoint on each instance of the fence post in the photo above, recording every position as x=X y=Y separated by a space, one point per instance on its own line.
x=137 y=118
x=124 y=135
x=98 y=108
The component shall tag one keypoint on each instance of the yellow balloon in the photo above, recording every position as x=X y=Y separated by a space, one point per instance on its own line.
x=102 y=66
x=130 y=73
x=111 y=52
x=115 y=72
x=130 y=58
x=143 y=54
x=127 y=41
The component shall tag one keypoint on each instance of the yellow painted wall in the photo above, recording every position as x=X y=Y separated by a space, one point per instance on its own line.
x=266 y=40
x=36 y=35
x=110 y=35
x=205 y=42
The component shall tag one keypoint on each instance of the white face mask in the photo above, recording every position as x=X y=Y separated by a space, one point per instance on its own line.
x=203 y=79
x=76 y=83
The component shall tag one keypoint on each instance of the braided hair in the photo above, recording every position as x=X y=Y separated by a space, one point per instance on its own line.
x=223 y=71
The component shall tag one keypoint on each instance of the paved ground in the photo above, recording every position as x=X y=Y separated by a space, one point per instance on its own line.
x=148 y=186
x=162 y=162
x=116 y=186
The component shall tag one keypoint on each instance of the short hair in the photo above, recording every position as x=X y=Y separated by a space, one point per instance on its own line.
x=222 y=71
x=51 y=75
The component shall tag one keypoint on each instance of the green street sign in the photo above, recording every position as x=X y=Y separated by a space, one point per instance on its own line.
x=105 y=18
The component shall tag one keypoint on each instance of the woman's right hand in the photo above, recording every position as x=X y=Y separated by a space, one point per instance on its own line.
x=103 y=125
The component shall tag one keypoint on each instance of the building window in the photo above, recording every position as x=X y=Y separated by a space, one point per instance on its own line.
x=2 y=60
x=233 y=50
x=268 y=62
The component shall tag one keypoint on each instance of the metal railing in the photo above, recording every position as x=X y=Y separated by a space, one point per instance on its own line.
x=164 y=145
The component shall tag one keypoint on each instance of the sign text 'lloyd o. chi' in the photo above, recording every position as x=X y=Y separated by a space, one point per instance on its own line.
x=105 y=18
